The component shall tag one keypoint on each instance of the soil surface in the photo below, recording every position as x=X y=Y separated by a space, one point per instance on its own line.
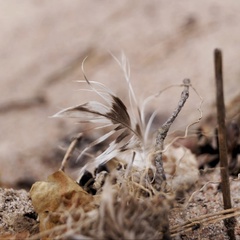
x=43 y=44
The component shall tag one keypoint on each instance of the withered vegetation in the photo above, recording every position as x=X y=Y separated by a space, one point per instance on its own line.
x=133 y=188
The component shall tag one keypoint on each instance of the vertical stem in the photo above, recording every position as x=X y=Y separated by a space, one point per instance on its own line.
x=229 y=223
x=162 y=133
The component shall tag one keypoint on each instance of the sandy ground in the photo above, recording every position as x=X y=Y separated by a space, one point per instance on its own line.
x=43 y=44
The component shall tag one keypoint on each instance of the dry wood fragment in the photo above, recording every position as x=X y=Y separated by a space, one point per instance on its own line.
x=222 y=141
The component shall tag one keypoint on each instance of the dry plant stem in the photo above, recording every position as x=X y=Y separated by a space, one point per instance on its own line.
x=162 y=133
x=70 y=151
x=204 y=220
x=229 y=223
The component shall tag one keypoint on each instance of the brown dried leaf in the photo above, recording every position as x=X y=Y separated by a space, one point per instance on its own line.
x=55 y=196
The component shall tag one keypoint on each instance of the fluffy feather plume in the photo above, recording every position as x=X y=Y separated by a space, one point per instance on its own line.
x=129 y=130
x=125 y=128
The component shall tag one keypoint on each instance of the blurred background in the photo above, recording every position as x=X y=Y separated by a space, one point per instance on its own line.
x=43 y=44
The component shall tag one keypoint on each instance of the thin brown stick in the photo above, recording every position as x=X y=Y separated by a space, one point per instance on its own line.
x=229 y=223
x=70 y=151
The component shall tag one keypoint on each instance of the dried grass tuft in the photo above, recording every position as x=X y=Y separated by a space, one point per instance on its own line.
x=123 y=211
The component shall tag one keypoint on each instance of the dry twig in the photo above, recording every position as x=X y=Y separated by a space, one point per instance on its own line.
x=162 y=133
x=222 y=141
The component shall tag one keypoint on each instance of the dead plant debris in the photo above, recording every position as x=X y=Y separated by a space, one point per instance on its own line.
x=118 y=194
